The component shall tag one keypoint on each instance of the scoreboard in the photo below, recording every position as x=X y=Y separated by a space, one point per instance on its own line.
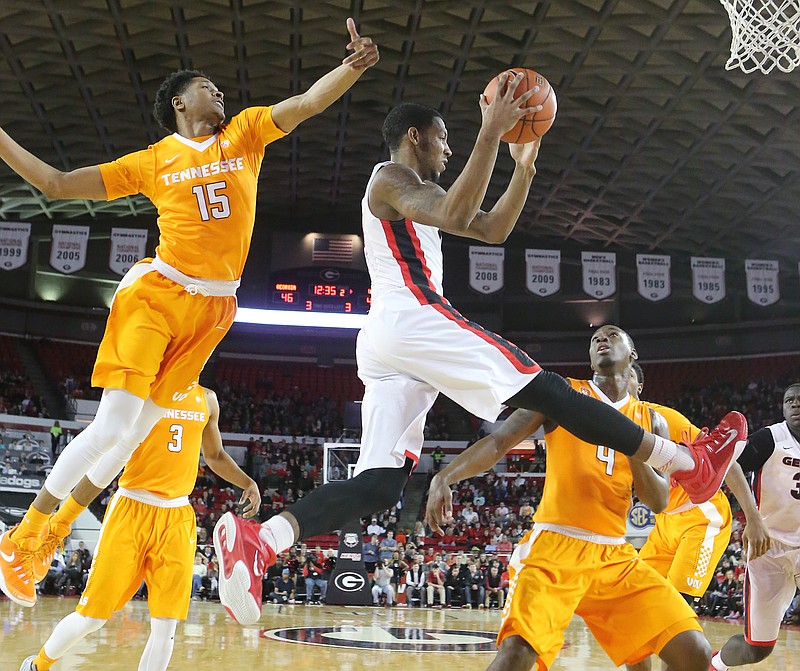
x=318 y=289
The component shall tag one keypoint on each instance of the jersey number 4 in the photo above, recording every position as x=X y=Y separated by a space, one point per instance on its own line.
x=211 y=202
x=607 y=457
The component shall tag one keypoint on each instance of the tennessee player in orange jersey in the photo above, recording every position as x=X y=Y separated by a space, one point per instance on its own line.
x=169 y=312
x=688 y=539
x=575 y=559
x=149 y=532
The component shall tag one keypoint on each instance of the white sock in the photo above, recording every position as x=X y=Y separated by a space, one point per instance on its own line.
x=717 y=663
x=277 y=532
x=669 y=457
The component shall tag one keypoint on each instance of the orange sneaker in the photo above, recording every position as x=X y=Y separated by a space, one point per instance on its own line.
x=16 y=569
x=52 y=542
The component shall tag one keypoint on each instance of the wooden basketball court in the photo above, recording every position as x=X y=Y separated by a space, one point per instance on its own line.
x=317 y=638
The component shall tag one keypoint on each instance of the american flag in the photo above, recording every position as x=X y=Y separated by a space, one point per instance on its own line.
x=332 y=249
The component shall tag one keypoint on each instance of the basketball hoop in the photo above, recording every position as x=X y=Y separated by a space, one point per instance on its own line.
x=766 y=34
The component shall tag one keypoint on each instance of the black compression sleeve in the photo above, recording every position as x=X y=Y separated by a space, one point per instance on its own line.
x=336 y=503
x=583 y=416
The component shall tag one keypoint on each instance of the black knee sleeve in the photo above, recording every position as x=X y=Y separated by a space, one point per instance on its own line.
x=335 y=504
x=583 y=416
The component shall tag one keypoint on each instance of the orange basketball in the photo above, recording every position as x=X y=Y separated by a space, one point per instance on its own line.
x=535 y=124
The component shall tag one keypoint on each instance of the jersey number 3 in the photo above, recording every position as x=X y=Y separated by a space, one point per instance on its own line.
x=176 y=444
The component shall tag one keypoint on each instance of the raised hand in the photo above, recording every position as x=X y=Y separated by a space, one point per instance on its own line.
x=365 y=51
x=504 y=111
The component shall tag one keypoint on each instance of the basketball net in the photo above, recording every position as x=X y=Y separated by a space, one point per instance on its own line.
x=766 y=34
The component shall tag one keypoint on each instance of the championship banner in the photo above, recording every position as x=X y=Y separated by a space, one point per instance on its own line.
x=127 y=247
x=543 y=271
x=762 y=281
x=486 y=269
x=599 y=273
x=654 y=276
x=708 y=279
x=14 y=238
x=68 y=253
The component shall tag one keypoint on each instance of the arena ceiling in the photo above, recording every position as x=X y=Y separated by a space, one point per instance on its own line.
x=656 y=146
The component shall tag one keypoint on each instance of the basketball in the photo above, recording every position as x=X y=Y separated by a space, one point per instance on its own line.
x=532 y=126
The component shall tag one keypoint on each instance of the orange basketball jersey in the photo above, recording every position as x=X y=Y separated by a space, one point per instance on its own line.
x=589 y=486
x=680 y=430
x=204 y=190
x=166 y=462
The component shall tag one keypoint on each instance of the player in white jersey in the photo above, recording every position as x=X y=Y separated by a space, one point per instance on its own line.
x=415 y=345
x=773 y=455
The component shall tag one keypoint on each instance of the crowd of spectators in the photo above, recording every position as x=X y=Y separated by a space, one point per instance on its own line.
x=462 y=568
x=18 y=396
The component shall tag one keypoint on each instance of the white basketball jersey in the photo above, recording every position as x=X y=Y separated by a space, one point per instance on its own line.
x=779 y=497
x=401 y=254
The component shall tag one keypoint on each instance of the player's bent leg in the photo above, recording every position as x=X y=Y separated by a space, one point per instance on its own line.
x=514 y=654
x=687 y=651
x=337 y=503
x=737 y=651
x=158 y=650
x=68 y=633
x=116 y=414
x=105 y=470
x=244 y=555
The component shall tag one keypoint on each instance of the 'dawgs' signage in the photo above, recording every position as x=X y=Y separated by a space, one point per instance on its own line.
x=349 y=583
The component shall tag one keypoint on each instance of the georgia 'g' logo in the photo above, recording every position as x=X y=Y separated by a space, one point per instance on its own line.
x=349 y=582
x=330 y=274
x=408 y=638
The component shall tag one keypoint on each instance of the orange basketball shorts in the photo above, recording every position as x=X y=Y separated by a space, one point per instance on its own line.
x=685 y=547
x=158 y=337
x=139 y=542
x=630 y=609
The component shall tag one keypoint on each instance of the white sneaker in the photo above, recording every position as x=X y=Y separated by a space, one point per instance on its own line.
x=27 y=664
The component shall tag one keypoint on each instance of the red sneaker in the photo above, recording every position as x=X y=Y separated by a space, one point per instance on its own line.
x=713 y=454
x=243 y=559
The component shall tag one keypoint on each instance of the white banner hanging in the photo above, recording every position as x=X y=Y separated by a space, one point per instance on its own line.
x=599 y=273
x=543 y=271
x=14 y=238
x=762 y=281
x=654 y=276
x=127 y=247
x=708 y=279
x=486 y=269
x=68 y=253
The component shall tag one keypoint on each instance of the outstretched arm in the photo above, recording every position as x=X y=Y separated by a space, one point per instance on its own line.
x=496 y=225
x=219 y=461
x=289 y=113
x=85 y=183
x=476 y=459
x=398 y=192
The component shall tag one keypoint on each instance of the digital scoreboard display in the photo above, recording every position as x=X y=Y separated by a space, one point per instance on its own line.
x=340 y=290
